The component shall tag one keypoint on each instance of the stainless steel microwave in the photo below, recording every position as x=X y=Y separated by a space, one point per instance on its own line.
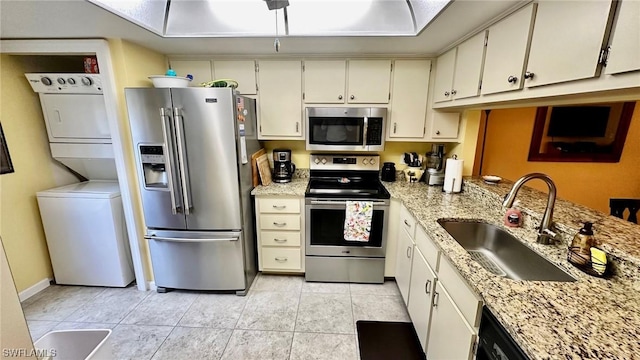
x=345 y=129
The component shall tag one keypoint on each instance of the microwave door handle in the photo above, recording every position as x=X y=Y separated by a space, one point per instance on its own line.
x=168 y=151
x=364 y=132
x=182 y=160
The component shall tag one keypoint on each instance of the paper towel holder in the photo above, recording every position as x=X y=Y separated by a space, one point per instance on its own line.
x=453 y=181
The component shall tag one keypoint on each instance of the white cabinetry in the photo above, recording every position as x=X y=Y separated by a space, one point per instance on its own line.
x=324 y=81
x=444 y=125
x=423 y=281
x=403 y=264
x=460 y=69
x=242 y=71
x=200 y=69
x=279 y=224
x=369 y=81
x=410 y=88
x=624 y=52
x=280 y=100
x=507 y=46
x=567 y=39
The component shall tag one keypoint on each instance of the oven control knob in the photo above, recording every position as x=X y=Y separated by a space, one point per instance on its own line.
x=317 y=161
x=372 y=161
x=365 y=161
x=324 y=161
x=45 y=80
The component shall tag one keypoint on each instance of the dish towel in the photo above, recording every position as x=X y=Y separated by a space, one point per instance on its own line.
x=357 y=220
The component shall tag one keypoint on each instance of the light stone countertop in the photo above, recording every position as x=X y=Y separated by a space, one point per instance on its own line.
x=591 y=318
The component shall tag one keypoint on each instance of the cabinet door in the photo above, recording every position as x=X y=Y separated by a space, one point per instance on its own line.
x=403 y=263
x=201 y=70
x=324 y=81
x=446 y=65
x=280 y=99
x=409 y=99
x=625 y=44
x=423 y=281
x=469 y=61
x=243 y=71
x=444 y=125
x=567 y=39
x=450 y=337
x=506 y=52
x=369 y=81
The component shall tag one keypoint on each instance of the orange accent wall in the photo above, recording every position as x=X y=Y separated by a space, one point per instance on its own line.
x=591 y=184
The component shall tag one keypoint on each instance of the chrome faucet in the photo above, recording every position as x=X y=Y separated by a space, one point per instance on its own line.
x=545 y=234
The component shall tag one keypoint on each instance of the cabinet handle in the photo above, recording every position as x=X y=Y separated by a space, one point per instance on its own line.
x=529 y=75
x=409 y=252
x=407 y=223
x=279 y=224
x=446 y=93
x=339 y=97
x=436 y=296
x=395 y=126
x=437 y=132
x=427 y=287
x=352 y=97
x=279 y=207
x=297 y=126
x=453 y=92
x=281 y=259
x=280 y=240
x=512 y=79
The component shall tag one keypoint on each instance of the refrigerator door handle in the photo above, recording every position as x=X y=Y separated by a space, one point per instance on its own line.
x=173 y=239
x=182 y=162
x=168 y=149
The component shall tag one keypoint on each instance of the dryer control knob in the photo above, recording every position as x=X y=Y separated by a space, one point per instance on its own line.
x=61 y=81
x=45 y=80
x=87 y=81
x=71 y=81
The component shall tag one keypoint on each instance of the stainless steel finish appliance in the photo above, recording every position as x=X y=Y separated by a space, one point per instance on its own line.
x=345 y=129
x=435 y=165
x=191 y=149
x=336 y=179
x=283 y=168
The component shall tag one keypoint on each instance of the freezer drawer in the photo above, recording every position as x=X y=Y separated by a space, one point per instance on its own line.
x=197 y=262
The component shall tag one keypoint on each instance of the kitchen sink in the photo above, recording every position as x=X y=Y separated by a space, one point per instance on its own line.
x=501 y=253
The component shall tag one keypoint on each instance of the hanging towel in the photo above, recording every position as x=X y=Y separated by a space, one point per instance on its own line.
x=357 y=221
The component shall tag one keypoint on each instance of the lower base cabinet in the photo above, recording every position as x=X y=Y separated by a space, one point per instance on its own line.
x=423 y=281
x=403 y=264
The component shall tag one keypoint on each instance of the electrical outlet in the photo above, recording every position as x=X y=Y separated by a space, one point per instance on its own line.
x=402 y=160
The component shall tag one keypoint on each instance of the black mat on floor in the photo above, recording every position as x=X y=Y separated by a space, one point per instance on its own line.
x=382 y=340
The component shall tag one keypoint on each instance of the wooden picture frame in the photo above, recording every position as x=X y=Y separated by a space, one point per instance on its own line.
x=611 y=154
x=6 y=166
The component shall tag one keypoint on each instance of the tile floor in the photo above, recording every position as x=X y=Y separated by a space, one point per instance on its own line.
x=282 y=317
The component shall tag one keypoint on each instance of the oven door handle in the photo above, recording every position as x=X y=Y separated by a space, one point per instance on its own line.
x=331 y=202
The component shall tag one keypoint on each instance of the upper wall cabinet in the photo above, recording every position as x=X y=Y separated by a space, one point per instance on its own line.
x=567 y=40
x=408 y=110
x=242 y=71
x=624 y=51
x=507 y=46
x=459 y=70
x=369 y=81
x=280 y=100
x=201 y=70
x=324 y=81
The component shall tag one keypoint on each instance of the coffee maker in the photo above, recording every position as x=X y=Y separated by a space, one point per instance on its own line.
x=435 y=165
x=283 y=168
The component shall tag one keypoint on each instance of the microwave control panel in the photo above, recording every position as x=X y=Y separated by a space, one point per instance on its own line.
x=375 y=131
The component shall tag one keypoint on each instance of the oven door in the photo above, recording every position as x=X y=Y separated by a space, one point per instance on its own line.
x=324 y=229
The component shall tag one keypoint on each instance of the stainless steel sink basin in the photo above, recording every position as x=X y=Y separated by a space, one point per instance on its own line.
x=501 y=253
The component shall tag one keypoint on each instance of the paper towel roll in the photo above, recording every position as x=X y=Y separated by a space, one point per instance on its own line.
x=453 y=175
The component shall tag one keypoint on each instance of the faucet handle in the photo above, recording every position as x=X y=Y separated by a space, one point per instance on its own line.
x=547 y=237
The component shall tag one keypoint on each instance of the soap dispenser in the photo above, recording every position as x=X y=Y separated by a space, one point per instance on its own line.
x=581 y=245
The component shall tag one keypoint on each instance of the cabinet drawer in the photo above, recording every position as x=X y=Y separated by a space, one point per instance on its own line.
x=279 y=205
x=280 y=238
x=465 y=299
x=280 y=222
x=281 y=258
x=407 y=222
x=428 y=249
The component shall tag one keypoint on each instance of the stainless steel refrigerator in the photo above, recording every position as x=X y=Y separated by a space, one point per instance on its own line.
x=191 y=147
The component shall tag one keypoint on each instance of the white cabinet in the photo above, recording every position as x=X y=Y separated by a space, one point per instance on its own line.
x=403 y=263
x=422 y=284
x=409 y=91
x=280 y=100
x=624 y=52
x=324 y=81
x=444 y=125
x=369 y=81
x=461 y=70
x=450 y=336
x=242 y=71
x=567 y=39
x=279 y=224
x=201 y=70
x=507 y=46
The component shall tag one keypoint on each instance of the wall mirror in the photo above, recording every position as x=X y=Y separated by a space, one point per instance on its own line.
x=580 y=133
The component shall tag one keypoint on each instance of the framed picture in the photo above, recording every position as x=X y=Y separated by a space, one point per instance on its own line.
x=5 y=160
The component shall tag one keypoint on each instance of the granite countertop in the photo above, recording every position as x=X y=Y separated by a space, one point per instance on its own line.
x=591 y=318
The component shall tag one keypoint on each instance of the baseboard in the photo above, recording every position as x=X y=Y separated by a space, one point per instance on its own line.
x=36 y=288
x=152 y=285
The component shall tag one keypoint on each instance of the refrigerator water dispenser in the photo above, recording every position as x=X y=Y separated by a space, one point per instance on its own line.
x=153 y=165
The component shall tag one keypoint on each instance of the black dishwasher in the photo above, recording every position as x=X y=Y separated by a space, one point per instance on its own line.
x=495 y=343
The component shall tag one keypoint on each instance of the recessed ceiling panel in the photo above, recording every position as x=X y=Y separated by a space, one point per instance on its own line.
x=147 y=13
x=426 y=10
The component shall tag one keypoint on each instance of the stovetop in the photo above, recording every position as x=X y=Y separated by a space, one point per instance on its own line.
x=346 y=185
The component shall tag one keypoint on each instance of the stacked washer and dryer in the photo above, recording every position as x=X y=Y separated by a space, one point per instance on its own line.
x=84 y=222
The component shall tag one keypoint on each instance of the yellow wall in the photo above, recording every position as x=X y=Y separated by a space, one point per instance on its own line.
x=591 y=184
x=26 y=137
x=132 y=64
x=466 y=149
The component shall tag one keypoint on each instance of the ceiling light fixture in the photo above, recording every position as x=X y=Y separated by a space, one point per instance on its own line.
x=275 y=5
